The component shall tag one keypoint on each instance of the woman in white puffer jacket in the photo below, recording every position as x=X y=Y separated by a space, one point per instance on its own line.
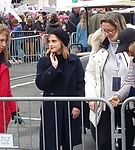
x=103 y=68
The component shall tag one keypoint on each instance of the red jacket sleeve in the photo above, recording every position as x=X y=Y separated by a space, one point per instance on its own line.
x=5 y=89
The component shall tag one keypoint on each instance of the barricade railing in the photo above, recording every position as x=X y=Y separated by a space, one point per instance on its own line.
x=24 y=33
x=24 y=53
x=20 y=140
x=73 y=38
x=73 y=46
x=123 y=127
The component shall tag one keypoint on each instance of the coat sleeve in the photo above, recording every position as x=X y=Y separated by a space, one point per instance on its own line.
x=5 y=90
x=39 y=27
x=80 y=79
x=130 y=81
x=90 y=79
x=47 y=28
x=80 y=83
x=71 y=25
x=45 y=74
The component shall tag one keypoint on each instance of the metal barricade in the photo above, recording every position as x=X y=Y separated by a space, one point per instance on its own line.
x=123 y=127
x=73 y=38
x=37 y=34
x=24 y=52
x=26 y=136
x=15 y=34
x=73 y=48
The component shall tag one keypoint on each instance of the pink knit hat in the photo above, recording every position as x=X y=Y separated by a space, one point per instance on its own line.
x=60 y=17
x=66 y=17
x=11 y=16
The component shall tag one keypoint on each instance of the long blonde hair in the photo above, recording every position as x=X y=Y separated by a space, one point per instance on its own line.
x=83 y=20
x=5 y=30
x=64 y=50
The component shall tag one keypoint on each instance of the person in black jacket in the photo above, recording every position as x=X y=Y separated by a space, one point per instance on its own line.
x=31 y=31
x=60 y=73
x=40 y=26
x=73 y=20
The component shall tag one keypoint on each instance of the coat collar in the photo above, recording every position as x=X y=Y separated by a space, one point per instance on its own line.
x=105 y=43
x=69 y=68
x=71 y=58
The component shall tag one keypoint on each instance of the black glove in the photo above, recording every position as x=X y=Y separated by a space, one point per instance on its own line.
x=17 y=118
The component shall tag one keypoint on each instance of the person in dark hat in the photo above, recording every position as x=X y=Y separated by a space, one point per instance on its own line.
x=126 y=43
x=60 y=73
x=126 y=40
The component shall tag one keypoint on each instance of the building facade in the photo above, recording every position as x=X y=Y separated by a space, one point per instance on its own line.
x=40 y=3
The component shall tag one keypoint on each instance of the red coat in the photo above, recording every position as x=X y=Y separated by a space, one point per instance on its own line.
x=5 y=91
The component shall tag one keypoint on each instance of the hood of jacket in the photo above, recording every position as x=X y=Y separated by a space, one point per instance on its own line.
x=54 y=25
x=97 y=40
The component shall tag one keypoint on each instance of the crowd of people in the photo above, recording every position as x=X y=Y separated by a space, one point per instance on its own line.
x=41 y=23
x=109 y=73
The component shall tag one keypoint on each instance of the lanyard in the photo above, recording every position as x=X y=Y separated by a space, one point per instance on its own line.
x=116 y=56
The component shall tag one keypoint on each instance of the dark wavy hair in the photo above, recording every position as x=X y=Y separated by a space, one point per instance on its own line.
x=54 y=18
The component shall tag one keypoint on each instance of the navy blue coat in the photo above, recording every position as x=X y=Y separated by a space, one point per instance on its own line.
x=55 y=82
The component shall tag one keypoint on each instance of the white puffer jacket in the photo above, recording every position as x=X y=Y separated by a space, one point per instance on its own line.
x=94 y=86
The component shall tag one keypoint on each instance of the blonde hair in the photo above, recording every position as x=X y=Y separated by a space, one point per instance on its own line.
x=5 y=30
x=83 y=20
x=64 y=49
x=116 y=20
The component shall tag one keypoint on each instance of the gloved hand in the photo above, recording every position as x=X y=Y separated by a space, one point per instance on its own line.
x=17 y=118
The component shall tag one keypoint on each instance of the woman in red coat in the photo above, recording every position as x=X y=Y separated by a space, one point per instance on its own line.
x=7 y=108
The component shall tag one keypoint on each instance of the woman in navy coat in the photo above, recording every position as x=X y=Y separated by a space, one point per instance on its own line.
x=60 y=74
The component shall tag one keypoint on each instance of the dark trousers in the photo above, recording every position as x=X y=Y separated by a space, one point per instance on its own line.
x=104 y=130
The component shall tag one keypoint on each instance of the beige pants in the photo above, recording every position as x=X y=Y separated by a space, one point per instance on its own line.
x=30 y=50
